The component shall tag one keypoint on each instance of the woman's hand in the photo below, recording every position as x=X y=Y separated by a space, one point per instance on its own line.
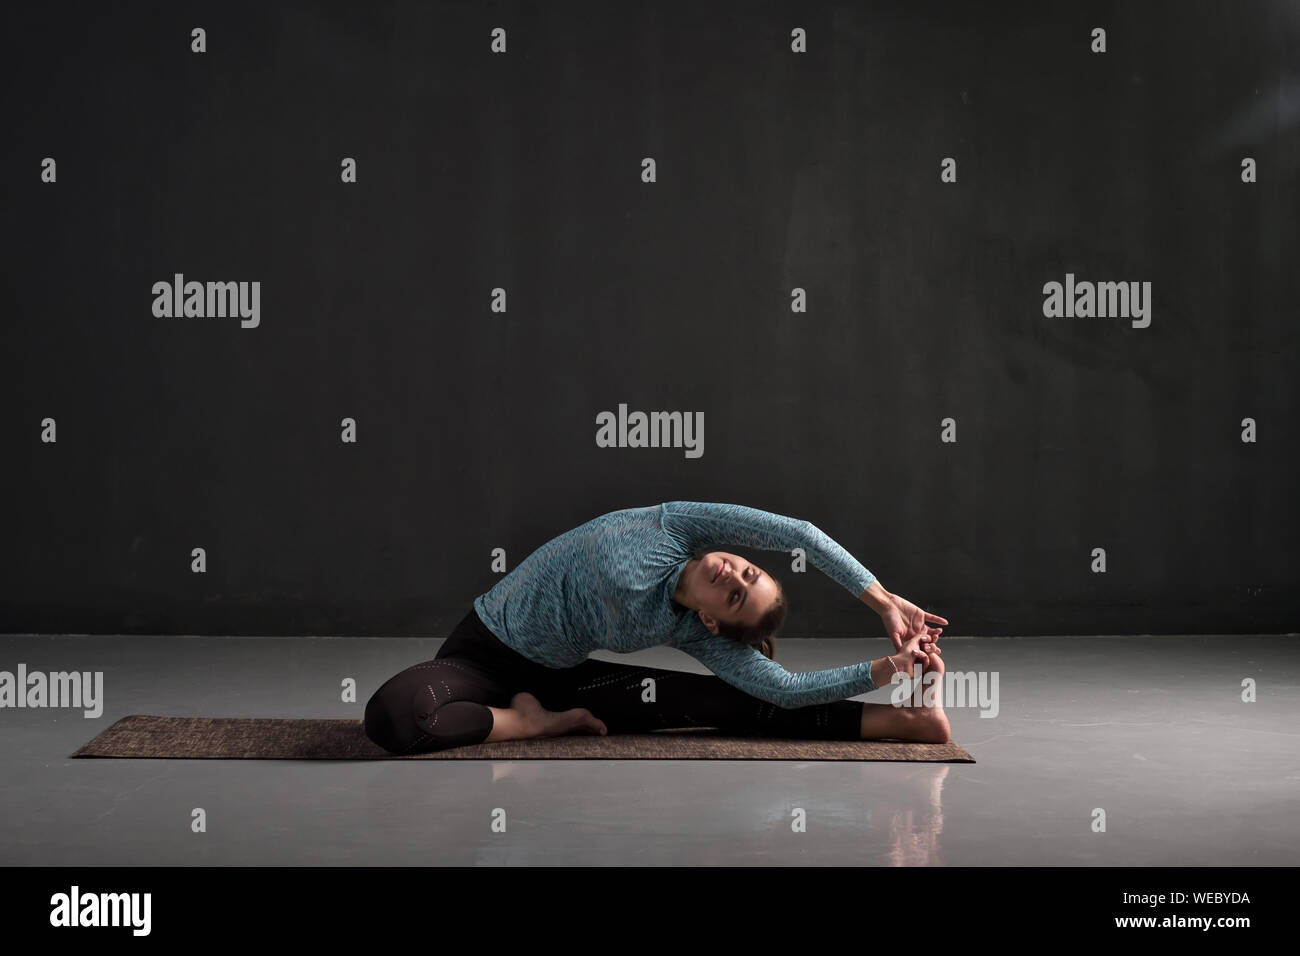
x=913 y=652
x=904 y=620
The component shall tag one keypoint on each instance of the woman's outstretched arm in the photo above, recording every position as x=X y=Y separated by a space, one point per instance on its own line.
x=748 y=670
x=699 y=524
x=702 y=524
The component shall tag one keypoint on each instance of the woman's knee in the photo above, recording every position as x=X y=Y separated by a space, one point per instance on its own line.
x=388 y=718
x=411 y=716
x=452 y=723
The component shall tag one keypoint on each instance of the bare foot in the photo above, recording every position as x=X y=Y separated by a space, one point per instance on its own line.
x=931 y=722
x=546 y=723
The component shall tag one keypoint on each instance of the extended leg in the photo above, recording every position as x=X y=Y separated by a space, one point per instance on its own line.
x=632 y=699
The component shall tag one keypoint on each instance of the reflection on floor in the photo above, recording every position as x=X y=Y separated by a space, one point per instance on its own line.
x=1095 y=750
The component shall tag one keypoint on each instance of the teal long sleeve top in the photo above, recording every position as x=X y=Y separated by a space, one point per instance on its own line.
x=608 y=584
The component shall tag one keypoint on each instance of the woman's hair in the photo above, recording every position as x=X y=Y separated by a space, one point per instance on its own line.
x=762 y=636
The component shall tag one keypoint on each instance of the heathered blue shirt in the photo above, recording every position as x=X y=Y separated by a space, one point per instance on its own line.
x=608 y=585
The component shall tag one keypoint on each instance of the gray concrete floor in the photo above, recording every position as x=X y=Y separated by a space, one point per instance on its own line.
x=1152 y=730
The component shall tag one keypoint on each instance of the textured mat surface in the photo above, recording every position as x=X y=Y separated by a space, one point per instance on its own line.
x=261 y=738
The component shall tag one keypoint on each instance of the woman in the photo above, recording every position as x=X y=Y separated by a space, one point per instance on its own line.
x=516 y=666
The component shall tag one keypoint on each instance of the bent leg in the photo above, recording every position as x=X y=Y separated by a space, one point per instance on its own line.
x=448 y=702
x=434 y=705
x=526 y=718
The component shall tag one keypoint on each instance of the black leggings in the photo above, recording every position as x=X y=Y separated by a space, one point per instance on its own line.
x=444 y=702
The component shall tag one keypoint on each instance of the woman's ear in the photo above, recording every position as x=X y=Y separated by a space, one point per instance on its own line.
x=709 y=621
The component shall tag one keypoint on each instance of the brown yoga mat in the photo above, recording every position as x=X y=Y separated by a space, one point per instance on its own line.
x=274 y=738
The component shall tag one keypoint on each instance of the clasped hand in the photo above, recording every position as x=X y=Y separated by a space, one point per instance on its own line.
x=903 y=621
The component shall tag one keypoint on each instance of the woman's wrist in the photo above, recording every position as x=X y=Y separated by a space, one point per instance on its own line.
x=883 y=671
x=876 y=597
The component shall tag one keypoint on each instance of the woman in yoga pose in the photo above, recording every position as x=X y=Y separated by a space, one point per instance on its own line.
x=516 y=666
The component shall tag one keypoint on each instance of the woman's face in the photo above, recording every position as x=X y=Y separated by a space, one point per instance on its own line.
x=726 y=587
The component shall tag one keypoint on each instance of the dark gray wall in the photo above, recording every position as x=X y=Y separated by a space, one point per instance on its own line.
x=522 y=170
